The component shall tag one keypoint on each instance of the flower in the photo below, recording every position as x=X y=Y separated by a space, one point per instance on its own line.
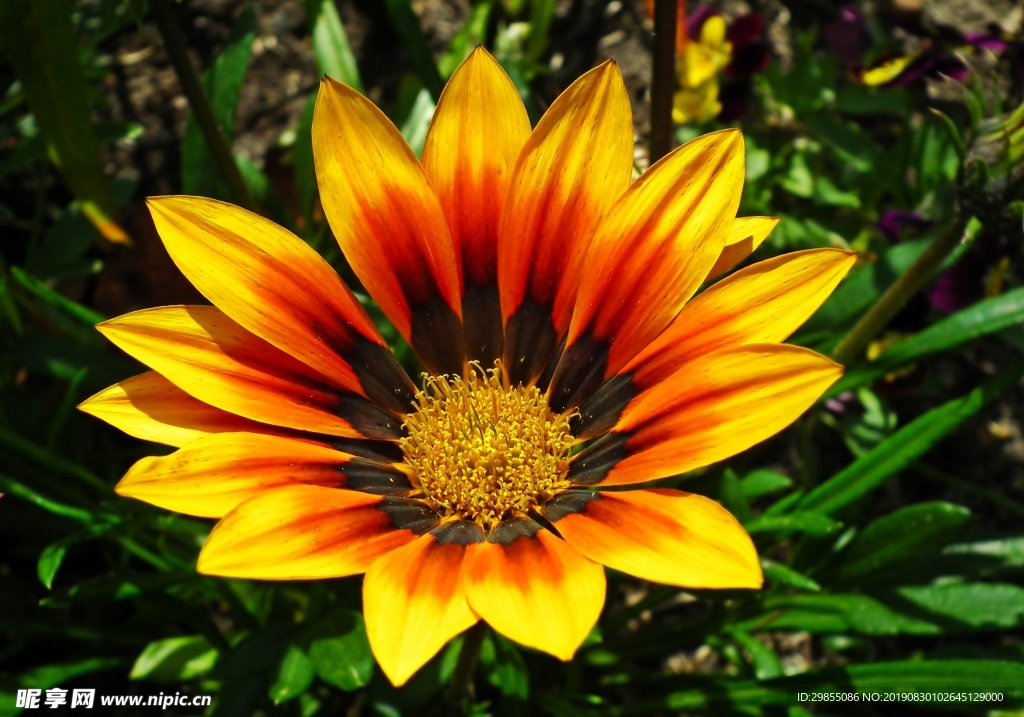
x=544 y=294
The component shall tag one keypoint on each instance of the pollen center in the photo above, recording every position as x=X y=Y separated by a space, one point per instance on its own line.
x=484 y=451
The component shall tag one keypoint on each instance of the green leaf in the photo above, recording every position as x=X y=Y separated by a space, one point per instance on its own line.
x=330 y=44
x=340 y=652
x=222 y=83
x=41 y=45
x=414 y=128
x=983 y=318
x=719 y=695
x=906 y=535
x=175 y=659
x=407 y=25
x=759 y=483
x=902 y=449
x=807 y=522
x=766 y=661
x=784 y=575
x=851 y=143
x=294 y=675
x=504 y=667
x=732 y=497
x=929 y=610
x=49 y=562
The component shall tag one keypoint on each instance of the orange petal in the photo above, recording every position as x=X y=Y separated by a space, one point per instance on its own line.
x=215 y=360
x=574 y=166
x=389 y=223
x=150 y=407
x=302 y=533
x=273 y=284
x=745 y=235
x=764 y=303
x=415 y=602
x=475 y=137
x=712 y=408
x=665 y=536
x=212 y=475
x=648 y=258
x=536 y=590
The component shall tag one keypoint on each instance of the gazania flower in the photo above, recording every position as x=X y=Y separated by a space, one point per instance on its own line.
x=544 y=294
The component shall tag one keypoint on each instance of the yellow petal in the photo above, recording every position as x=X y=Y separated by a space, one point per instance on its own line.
x=537 y=591
x=414 y=602
x=665 y=536
x=388 y=223
x=214 y=474
x=574 y=166
x=301 y=533
x=215 y=360
x=273 y=284
x=150 y=407
x=474 y=140
x=712 y=408
x=746 y=235
x=648 y=258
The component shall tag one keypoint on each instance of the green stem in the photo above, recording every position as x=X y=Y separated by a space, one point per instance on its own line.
x=191 y=85
x=851 y=349
x=460 y=689
x=663 y=77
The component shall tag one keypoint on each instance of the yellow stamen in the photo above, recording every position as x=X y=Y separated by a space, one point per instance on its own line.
x=484 y=451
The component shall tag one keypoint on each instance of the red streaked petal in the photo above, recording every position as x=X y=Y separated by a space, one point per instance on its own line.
x=273 y=284
x=301 y=533
x=574 y=166
x=215 y=360
x=648 y=257
x=712 y=408
x=212 y=475
x=150 y=407
x=414 y=602
x=666 y=536
x=475 y=138
x=764 y=303
x=536 y=590
x=388 y=223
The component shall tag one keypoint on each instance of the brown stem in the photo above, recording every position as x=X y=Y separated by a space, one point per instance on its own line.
x=663 y=77
x=174 y=41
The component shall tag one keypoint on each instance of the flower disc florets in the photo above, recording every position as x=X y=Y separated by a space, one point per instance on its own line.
x=485 y=451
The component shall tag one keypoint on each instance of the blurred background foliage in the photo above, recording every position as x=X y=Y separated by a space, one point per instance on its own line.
x=888 y=519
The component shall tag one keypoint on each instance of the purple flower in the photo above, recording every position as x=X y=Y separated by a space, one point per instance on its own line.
x=894 y=222
x=847 y=36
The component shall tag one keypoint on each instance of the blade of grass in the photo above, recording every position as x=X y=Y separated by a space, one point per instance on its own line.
x=407 y=25
x=903 y=448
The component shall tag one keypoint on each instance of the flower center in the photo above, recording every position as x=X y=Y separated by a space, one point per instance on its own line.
x=484 y=451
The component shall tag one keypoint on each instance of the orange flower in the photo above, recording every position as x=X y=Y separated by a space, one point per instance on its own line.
x=544 y=293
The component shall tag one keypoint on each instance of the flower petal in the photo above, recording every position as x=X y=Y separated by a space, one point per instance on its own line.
x=302 y=532
x=574 y=166
x=712 y=408
x=414 y=603
x=536 y=590
x=475 y=137
x=215 y=360
x=746 y=235
x=666 y=536
x=648 y=257
x=389 y=223
x=150 y=407
x=273 y=284
x=764 y=303
x=212 y=475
